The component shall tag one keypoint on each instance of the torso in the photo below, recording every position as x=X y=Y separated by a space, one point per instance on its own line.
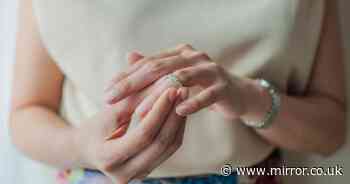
x=258 y=38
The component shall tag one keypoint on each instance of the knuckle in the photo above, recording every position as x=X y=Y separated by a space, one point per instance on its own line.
x=155 y=66
x=121 y=179
x=177 y=144
x=109 y=161
x=146 y=174
x=183 y=57
x=121 y=75
x=224 y=85
x=183 y=74
x=202 y=55
x=163 y=140
x=143 y=175
x=213 y=65
x=147 y=137
x=149 y=64
x=195 y=103
x=150 y=59
x=212 y=93
x=215 y=68
x=125 y=86
x=222 y=89
x=106 y=166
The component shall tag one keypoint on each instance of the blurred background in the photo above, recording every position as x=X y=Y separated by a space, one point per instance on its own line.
x=13 y=165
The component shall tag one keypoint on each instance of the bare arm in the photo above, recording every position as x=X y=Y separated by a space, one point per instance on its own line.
x=316 y=122
x=39 y=132
x=35 y=126
x=312 y=123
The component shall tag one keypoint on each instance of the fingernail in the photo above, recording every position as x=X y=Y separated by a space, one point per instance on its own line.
x=181 y=110
x=118 y=132
x=129 y=55
x=172 y=94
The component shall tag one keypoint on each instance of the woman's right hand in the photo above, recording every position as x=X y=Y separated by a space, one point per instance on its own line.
x=137 y=153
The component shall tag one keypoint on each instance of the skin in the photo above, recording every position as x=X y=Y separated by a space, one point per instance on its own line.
x=309 y=121
x=305 y=123
x=36 y=96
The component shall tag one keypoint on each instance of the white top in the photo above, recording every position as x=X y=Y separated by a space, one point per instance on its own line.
x=273 y=39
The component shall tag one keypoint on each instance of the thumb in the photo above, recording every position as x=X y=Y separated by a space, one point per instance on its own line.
x=134 y=57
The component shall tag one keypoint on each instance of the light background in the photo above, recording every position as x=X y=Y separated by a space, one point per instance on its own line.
x=14 y=169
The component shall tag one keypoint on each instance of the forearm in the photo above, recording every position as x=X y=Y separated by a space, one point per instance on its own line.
x=42 y=135
x=313 y=123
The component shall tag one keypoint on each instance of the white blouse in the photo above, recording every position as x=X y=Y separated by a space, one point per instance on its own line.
x=272 y=39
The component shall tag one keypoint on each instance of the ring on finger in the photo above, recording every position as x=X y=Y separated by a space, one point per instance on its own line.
x=174 y=80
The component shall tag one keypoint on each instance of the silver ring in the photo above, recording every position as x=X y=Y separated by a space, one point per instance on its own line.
x=173 y=79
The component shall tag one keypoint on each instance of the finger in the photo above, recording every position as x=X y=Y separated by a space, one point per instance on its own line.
x=143 y=134
x=137 y=65
x=133 y=83
x=202 y=75
x=204 y=99
x=151 y=72
x=119 y=132
x=134 y=58
x=147 y=104
x=160 y=86
x=171 y=52
x=126 y=109
x=175 y=145
x=122 y=115
x=174 y=51
x=178 y=139
x=145 y=159
x=166 y=53
x=111 y=119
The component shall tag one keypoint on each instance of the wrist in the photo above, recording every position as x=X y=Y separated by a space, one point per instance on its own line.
x=79 y=152
x=257 y=101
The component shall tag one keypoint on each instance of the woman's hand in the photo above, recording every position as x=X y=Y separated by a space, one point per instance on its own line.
x=127 y=106
x=193 y=68
x=138 y=152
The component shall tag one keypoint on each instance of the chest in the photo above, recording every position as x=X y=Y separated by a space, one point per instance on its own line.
x=89 y=38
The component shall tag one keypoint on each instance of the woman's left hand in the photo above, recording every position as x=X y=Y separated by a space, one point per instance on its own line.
x=191 y=68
